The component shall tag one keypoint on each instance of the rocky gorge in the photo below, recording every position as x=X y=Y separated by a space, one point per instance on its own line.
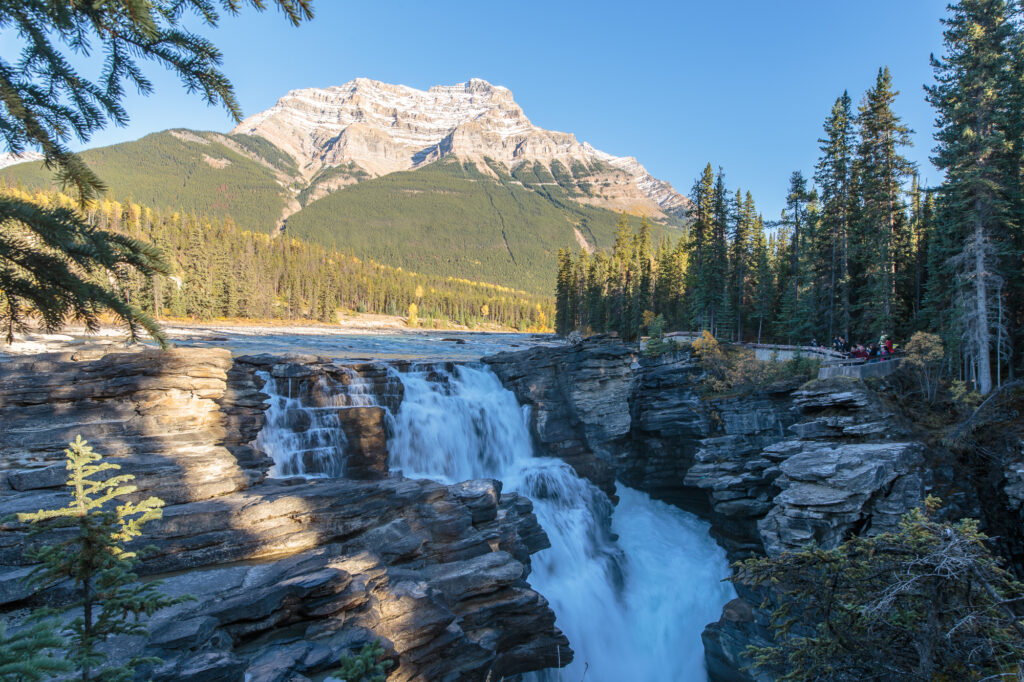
x=293 y=569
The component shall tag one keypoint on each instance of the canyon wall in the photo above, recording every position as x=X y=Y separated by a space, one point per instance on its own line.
x=771 y=469
x=289 y=574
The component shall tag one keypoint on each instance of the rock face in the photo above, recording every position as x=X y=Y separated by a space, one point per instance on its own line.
x=9 y=159
x=332 y=417
x=377 y=128
x=172 y=416
x=289 y=574
x=770 y=470
x=580 y=400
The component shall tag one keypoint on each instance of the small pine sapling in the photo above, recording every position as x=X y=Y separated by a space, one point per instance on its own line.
x=369 y=665
x=93 y=557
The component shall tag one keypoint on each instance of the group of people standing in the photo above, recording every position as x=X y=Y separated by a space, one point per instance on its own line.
x=873 y=352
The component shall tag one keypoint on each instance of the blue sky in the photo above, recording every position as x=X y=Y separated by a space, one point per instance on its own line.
x=743 y=84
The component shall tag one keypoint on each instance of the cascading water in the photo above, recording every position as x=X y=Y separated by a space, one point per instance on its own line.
x=633 y=606
x=303 y=432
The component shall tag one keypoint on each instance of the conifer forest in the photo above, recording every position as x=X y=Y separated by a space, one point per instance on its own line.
x=220 y=271
x=862 y=249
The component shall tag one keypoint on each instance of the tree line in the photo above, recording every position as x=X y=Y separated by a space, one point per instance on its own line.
x=861 y=249
x=218 y=270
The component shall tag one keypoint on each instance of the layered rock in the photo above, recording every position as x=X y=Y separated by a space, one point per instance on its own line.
x=579 y=397
x=332 y=418
x=770 y=469
x=378 y=128
x=173 y=416
x=289 y=574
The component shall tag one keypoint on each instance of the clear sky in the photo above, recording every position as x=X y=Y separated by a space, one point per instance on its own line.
x=744 y=84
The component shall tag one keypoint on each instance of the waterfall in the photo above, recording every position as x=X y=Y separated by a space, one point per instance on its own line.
x=631 y=586
x=303 y=432
x=632 y=597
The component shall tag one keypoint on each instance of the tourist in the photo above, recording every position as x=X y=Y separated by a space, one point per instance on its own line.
x=889 y=348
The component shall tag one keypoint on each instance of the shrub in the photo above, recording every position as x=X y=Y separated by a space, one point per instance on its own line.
x=656 y=345
x=963 y=395
x=738 y=369
x=923 y=360
x=926 y=602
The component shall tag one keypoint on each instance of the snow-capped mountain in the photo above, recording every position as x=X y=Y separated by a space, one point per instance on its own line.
x=378 y=128
x=10 y=159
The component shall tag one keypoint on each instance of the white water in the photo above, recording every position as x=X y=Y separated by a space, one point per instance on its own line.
x=633 y=608
x=303 y=433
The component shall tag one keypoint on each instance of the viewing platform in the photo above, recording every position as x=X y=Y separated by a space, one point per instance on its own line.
x=833 y=363
x=860 y=368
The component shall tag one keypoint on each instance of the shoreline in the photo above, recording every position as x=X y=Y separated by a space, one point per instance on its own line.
x=189 y=332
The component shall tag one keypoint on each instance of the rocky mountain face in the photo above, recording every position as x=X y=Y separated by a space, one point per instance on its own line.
x=10 y=159
x=371 y=128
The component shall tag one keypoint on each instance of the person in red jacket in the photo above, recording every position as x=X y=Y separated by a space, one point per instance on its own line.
x=889 y=350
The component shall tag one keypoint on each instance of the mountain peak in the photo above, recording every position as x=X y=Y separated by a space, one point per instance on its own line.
x=382 y=128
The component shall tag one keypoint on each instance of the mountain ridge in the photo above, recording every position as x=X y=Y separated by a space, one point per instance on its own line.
x=384 y=128
x=470 y=189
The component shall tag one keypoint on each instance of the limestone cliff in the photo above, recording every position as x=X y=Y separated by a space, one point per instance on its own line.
x=771 y=470
x=289 y=574
x=379 y=128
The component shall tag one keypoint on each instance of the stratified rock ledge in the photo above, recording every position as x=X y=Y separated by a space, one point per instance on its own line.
x=289 y=575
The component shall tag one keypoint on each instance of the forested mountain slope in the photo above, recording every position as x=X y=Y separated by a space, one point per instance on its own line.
x=454 y=181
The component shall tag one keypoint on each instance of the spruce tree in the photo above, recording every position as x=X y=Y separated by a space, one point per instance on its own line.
x=794 y=219
x=926 y=602
x=93 y=529
x=32 y=653
x=740 y=259
x=54 y=266
x=881 y=170
x=699 y=251
x=764 y=279
x=834 y=176
x=562 y=292
x=718 y=269
x=976 y=109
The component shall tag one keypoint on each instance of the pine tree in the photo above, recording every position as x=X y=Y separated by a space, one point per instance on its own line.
x=973 y=98
x=645 y=261
x=699 y=251
x=562 y=286
x=834 y=175
x=926 y=602
x=764 y=279
x=53 y=264
x=93 y=557
x=740 y=259
x=880 y=170
x=794 y=219
x=718 y=269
